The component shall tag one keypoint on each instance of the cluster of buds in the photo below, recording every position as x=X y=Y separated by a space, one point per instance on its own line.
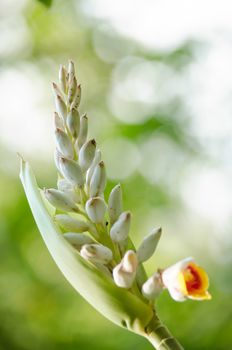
x=99 y=229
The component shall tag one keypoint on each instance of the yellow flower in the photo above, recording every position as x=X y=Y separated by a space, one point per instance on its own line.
x=186 y=280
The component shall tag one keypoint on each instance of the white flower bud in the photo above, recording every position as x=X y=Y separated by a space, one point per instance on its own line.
x=58 y=122
x=64 y=144
x=72 y=88
x=148 y=245
x=77 y=240
x=71 y=224
x=65 y=186
x=98 y=180
x=71 y=71
x=96 y=253
x=56 y=90
x=57 y=156
x=152 y=288
x=83 y=132
x=89 y=174
x=60 y=200
x=115 y=203
x=61 y=107
x=73 y=122
x=77 y=97
x=86 y=154
x=71 y=170
x=120 y=229
x=124 y=273
x=95 y=208
x=62 y=78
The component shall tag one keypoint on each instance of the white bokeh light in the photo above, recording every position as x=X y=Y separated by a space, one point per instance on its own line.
x=23 y=114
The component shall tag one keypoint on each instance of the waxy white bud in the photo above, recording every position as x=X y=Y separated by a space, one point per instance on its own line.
x=86 y=154
x=65 y=186
x=96 y=208
x=58 y=122
x=115 y=204
x=83 y=132
x=62 y=78
x=60 y=200
x=152 y=288
x=71 y=224
x=98 y=180
x=72 y=88
x=61 y=107
x=56 y=90
x=77 y=240
x=64 y=145
x=57 y=156
x=89 y=174
x=96 y=253
x=120 y=229
x=77 y=97
x=71 y=71
x=125 y=272
x=73 y=122
x=71 y=170
x=148 y=245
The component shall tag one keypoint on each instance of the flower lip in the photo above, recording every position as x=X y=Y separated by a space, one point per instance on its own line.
x=186 y=279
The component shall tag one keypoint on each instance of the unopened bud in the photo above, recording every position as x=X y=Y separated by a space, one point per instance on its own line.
x=96 y=208
x=71 y=224
x=115 y=203
x=77 y=97
x=66 y=186
x=120 y=229
x=62 y=78
x=57 y=156
x=86 y=154
x=77 y=240
x=96 y=253
x=91 y=169
x=71 y=170
x=72 y=88
x=152 y=288
x=83 y=132
x=58 y=122
x=73 y=122
x=64 y=144
x=148 y=245
x=71 y=71
x=56 y=90
x=98 y=180
x=61 y=107
x=125 y=272
x=60 y=200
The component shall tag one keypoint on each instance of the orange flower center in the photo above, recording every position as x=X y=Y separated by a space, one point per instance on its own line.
x=192 y=279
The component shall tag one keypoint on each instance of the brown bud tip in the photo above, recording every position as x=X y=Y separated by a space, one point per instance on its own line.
x=93 y=142
x=101 y=164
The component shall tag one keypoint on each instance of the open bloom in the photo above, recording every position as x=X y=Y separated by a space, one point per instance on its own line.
x=185 y=280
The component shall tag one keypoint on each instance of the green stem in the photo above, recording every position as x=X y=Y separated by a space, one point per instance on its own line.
x=160 y=337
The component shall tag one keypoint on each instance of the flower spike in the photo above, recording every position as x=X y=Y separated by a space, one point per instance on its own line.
x=89 y=238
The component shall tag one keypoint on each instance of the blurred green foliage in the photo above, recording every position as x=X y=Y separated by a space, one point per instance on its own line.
x=38 y=308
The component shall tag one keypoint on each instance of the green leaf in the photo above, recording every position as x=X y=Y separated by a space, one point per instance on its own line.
x=118 y=305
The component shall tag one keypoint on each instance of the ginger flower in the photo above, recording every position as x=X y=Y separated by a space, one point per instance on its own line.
x=186 y=280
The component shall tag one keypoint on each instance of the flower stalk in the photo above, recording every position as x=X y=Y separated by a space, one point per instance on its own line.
x=88 y=236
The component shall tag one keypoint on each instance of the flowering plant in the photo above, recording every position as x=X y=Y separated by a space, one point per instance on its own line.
x=88 y=237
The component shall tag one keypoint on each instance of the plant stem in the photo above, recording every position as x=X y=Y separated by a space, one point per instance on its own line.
x=160 y=337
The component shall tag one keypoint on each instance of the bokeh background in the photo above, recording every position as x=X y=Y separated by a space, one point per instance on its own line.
x=157 y=86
